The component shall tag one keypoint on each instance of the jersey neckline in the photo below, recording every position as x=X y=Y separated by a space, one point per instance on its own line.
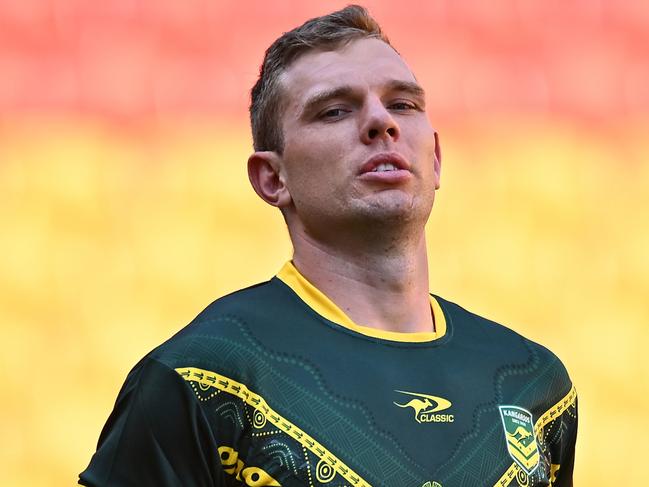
x=325 y=307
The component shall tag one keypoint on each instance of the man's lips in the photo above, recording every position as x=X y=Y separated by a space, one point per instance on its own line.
x=385 y=162
x=385 y=168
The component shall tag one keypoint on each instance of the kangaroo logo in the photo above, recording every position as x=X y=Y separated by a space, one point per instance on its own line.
x=519 y=434
x=426 y=407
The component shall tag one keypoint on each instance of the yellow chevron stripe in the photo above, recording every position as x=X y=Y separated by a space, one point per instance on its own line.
x=528 y=462
x=552 y=413
x=225 y=384
x=525 y=450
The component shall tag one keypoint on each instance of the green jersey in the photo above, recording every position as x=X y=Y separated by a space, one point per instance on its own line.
x=274 y=385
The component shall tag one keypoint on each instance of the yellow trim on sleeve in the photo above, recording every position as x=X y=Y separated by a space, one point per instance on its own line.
x=207 y=378
x=325 y=307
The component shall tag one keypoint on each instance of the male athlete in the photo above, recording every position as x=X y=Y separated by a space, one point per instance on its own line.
x=342 y=370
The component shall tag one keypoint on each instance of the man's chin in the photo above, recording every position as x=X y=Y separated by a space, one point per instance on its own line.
x=400 y=207
x=394 y=215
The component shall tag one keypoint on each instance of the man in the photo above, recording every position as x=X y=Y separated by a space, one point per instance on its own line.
x=342 y=370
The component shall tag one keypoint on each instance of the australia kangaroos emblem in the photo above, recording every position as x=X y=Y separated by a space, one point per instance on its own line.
x=518 y=426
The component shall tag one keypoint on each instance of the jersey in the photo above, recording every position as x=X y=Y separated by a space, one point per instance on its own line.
x=274 y=385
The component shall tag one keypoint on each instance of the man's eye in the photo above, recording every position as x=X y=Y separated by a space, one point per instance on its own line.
x=403 y=105
x=333 y=113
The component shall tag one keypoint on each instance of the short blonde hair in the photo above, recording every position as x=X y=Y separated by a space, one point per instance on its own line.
x=328 y=32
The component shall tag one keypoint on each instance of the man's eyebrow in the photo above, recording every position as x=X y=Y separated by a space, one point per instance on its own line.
x=407 y=87
x=312 y=102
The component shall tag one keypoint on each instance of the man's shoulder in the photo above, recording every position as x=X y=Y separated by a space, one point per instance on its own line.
x=240 y=300
x=524 y=370
x=230 y=322
x=249 y=303
x=495 y=338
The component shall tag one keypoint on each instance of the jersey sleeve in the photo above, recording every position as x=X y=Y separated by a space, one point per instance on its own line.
x=155 y=435
x=564 y=450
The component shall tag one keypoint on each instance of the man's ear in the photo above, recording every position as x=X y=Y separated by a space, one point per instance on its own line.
x=266 y=177
x=437 y=163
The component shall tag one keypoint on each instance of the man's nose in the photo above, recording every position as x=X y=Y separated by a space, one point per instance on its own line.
x=378 y=123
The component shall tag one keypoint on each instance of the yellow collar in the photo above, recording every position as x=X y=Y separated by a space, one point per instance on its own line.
x=325 y=307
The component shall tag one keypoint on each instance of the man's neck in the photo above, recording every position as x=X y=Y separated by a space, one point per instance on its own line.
x=383 y=288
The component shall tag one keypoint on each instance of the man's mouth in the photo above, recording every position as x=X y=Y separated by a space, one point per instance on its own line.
x=384 y=167
x=385 y=162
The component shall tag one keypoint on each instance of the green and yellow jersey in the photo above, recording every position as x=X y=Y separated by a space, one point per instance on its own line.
x=275 y=386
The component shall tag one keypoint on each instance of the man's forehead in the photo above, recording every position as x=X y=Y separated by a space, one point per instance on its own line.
x=364 y=61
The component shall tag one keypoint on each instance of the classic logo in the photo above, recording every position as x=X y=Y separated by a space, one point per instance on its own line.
x=432 y=483
x=427 y=407
x=519 y=433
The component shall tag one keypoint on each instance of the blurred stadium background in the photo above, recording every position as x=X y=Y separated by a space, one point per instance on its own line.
x=125 y=206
